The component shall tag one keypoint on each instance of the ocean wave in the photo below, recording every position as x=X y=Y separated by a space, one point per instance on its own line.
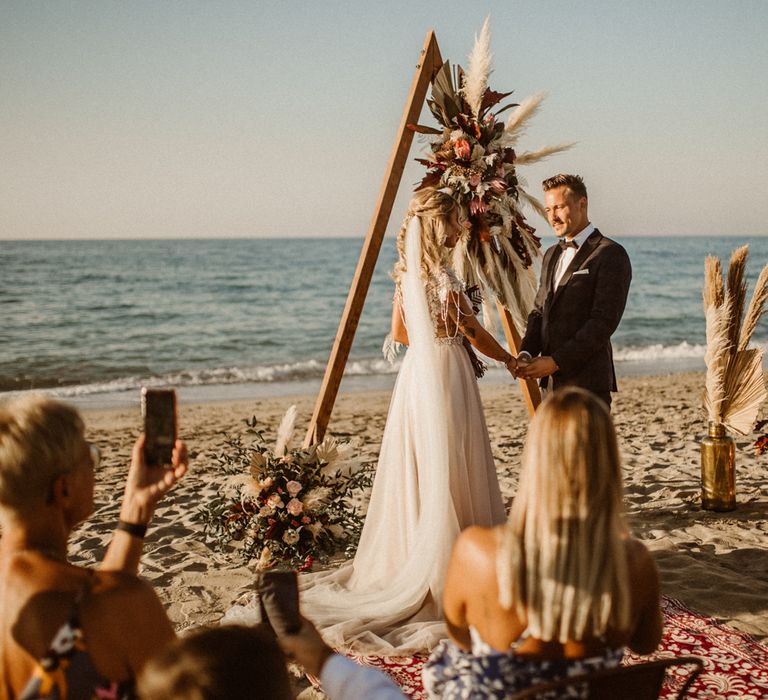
x=314 y=369
x=681 y=351
x=287 y=372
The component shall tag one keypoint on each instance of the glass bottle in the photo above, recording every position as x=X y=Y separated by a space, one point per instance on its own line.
x=718 y=469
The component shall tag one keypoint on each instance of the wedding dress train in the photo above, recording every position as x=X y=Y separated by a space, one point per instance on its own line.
x=435 y=476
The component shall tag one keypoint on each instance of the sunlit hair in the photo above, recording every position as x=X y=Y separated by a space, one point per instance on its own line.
x=562 y=556
x=218 y=663
x=39 y=439
x=573 y=182
x=434 y=209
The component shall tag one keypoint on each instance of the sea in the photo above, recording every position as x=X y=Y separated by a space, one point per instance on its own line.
x=93 y=321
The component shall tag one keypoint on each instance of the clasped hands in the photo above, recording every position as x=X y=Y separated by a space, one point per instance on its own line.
x=525 y=367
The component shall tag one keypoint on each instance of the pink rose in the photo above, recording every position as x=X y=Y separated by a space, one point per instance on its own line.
x=474 y=180
x=293 y=487
x=461 y=149
x=294 y=506
x=306 y=520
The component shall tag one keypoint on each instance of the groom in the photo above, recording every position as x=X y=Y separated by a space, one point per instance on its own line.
x=584 y=284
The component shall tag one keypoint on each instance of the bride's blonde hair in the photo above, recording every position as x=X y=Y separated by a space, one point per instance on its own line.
x=562 y=555
x=434 y=208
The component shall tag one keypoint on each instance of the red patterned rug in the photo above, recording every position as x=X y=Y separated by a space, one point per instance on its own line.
x=735 y=665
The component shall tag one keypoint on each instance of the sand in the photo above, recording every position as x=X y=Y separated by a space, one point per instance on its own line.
x=715 y=563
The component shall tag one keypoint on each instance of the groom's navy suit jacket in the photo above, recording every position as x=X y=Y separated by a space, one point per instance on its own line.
x=573 y=323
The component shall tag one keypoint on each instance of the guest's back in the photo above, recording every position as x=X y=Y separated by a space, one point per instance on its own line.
x=561 y=587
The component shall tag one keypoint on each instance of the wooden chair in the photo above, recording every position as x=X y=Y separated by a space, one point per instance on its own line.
x=636 y=682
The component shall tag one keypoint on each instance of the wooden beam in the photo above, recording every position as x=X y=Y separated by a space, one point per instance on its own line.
x=429 y=63
x=529 y=387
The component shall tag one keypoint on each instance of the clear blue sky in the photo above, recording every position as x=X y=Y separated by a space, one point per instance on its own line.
x=266 y=118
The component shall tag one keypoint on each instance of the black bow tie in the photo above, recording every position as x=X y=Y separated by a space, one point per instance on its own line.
x=568 y=244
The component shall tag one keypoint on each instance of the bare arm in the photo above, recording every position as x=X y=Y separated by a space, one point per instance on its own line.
x=454 y=596
x=480 y=338
x=144 y=488
x=398 y=330
x=646 y=588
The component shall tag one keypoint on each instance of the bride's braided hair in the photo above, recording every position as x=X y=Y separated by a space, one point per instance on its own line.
x=434 y=208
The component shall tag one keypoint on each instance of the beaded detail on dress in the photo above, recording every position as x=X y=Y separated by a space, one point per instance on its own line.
x=441 y=291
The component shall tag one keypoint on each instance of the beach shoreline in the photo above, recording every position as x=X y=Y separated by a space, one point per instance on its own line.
x=715 y=563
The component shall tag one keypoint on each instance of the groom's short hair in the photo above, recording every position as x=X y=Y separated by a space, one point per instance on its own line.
x=573 y=182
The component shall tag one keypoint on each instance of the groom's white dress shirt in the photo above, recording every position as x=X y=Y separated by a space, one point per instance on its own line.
x=567 y=256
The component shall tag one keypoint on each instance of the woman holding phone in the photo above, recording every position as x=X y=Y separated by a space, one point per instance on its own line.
x=68 y=631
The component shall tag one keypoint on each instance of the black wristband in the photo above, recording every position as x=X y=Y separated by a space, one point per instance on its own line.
x=133 y=529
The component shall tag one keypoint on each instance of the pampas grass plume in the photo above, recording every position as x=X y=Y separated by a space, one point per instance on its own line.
x=285 y=431
x=479 y=69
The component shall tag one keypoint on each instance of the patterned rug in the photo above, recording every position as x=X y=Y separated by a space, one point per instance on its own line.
x=735 y=665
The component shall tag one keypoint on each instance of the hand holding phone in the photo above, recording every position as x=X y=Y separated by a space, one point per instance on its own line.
x=279 y=595
x=158 y=408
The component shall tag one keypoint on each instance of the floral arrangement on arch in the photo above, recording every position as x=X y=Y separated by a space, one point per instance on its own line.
x=287 y=506
x=473 y=155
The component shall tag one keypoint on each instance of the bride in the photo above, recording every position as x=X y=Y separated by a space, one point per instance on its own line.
x=436 y=474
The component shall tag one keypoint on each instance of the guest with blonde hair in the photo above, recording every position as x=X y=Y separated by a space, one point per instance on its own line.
x=562 y=587
x=67 y=631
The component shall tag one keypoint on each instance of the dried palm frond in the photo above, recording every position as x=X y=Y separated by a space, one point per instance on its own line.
x=735 y=385
x=285 y=431
x=523 y=112
x=534 y=203
x=713 y=282
x=479 y=70
x=736 y=292
x=755 y=310
x=716 y=359
x=535 y=156
x=746 y=391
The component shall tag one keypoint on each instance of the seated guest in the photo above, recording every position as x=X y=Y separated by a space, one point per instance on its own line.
x=235 y=661
x=562 y=587
x=70 y=632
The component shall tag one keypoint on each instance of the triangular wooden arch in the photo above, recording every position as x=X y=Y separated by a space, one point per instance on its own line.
x=430 y=62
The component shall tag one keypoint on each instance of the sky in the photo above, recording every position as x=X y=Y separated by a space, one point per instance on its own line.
x=276 y=118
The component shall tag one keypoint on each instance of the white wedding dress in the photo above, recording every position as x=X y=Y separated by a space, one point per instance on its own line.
x=435 y=476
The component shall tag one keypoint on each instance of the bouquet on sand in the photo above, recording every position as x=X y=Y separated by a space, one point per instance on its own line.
x=287 y=506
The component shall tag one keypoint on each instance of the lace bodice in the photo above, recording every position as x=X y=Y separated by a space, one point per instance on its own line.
x=443 y=306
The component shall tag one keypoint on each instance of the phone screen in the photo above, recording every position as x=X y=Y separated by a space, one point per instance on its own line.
x=158 y=407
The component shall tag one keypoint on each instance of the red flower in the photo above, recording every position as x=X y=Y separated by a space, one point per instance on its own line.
x=461 y=149
x=308 y=562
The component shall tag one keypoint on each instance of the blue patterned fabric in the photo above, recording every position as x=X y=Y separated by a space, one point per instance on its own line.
x=484 y=673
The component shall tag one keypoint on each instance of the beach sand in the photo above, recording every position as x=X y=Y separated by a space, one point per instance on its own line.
x=715 y=563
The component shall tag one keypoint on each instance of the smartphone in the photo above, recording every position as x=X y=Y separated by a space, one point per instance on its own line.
x=158 y=408
x=279 y=596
